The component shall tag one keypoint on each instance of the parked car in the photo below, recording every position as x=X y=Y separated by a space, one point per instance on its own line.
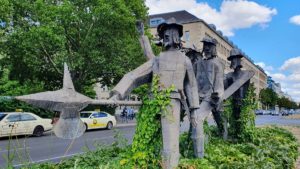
x=275 y=113
x=291 y=112
x=259 y=112
x=97 y=120
x=284 y=113
x=23 y=123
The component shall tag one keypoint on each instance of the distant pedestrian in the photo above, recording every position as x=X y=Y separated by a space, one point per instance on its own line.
x=124 y=115
x=130 y=113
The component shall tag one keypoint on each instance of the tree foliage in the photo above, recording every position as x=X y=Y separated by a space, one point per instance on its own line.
x=284 y=102
x=97 y=39
x=268 y=97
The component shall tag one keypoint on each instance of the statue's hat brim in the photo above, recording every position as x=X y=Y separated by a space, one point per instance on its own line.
x=209 y=41
x=234 y=56
x=164 y=26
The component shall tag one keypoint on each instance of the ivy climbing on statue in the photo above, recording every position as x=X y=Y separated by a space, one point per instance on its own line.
x=240 y=106
x=147 y=141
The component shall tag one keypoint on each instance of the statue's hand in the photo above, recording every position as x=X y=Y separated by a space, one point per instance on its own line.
x=215 y=99
x=194 y=114
x=114 y=97
x=140 y=27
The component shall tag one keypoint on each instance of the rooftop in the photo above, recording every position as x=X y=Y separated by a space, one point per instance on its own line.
x=181 y=17
x=184 y=17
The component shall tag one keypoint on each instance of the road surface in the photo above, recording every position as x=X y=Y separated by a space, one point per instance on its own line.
x=50 y=148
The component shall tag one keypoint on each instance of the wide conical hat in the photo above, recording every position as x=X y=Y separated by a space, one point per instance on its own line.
x=171 y=23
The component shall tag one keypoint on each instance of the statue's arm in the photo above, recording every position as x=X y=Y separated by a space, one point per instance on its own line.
x=133 y=79
x=227 y=80
x=144 y=41
x=190 y=86
x=219 y=80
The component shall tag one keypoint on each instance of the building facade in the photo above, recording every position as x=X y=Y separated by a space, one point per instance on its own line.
x=276 y=87
x=195 y=29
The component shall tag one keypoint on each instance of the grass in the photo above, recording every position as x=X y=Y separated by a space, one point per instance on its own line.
x=296 y=132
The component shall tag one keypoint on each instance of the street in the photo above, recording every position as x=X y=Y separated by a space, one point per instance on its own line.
x=50 y=148
x=275 y=120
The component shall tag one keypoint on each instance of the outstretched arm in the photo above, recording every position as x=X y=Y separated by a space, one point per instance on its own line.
x=133 y=79
x=144 y=41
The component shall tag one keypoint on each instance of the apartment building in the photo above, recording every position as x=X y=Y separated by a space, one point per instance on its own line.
x=195 y=29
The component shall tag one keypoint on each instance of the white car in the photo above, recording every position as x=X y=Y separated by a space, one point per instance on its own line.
x=97 y=120
x=23 y=123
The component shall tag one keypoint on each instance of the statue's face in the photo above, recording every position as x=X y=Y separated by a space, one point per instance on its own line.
x=208 y=50
x=235 y=63
x=171 y=37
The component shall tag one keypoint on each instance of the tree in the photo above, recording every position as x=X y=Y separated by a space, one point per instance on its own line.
x=268 y=97
x=97 y=39
x=286 y=103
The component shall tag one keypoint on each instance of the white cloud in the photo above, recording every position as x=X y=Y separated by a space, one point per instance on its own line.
x=288 y=75
x=292 y=65
x=233 y=14
x=295 y=19
x=264 y=66
x=278 y=77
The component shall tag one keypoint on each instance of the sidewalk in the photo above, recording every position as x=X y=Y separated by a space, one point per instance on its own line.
x=121 y=123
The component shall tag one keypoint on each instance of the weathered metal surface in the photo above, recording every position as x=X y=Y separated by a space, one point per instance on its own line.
x=118 y=102
x=209 y=73
x=246 y=75
x=173 y=69
x=67 y=101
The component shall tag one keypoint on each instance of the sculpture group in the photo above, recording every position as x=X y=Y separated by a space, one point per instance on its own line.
x=196 y=76
x=201 y=82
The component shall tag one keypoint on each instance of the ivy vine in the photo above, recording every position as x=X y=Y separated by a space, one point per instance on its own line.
x=147 y=141
x=243 y=128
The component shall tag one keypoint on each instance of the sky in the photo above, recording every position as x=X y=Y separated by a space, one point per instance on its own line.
x=266 y=30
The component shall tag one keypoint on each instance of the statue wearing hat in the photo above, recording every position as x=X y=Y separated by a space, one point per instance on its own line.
x=238 y=96
x=209 y=73
x=173 y=68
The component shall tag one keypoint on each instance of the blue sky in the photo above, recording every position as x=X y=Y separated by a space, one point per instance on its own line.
x=277 y=42
x=263 y=29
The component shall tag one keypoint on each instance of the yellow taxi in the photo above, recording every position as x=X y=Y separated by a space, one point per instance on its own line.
x=97 y=120
x=23 y=123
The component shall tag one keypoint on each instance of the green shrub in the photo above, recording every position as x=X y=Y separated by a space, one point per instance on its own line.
x=272 y=147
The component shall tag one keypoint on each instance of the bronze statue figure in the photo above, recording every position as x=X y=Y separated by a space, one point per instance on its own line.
x=209 y=73
x=238 y=96
x=173 y=68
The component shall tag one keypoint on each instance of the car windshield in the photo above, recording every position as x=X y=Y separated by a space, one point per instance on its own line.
x=85 y=115
x=2 y=116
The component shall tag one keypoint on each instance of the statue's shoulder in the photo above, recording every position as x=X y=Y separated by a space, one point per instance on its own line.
x=218 y=61
x=229 y=75
x=199 y=61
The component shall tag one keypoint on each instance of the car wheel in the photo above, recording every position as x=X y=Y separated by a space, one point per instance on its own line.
x=109 y=125
x=38 y=131
x=86 y=127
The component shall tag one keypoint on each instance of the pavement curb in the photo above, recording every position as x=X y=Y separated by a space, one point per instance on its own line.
x=126 y=125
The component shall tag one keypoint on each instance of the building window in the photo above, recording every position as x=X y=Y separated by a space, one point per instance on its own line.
x=156 y=21
x=187 y=36
x=208 y=36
